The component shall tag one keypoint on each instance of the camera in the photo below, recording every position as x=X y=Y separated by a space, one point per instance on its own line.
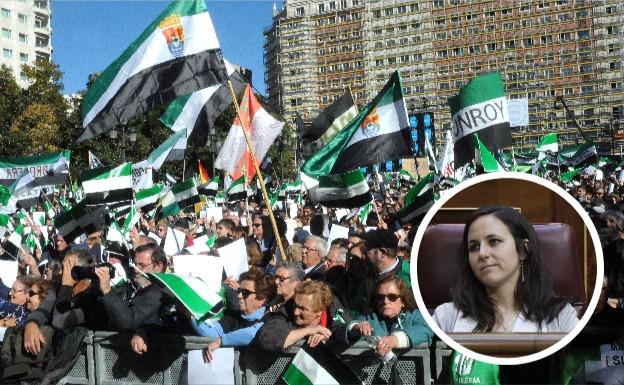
x=88 y=272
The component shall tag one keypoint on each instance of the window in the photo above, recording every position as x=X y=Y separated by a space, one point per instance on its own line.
x=403 y=41
x=565 y=36
x=456 y=33
x=582 y=35
x=525 y=8
x=5 y=13
x=549 y=73
x=405 y=58
x=490 y=28
x=300 y=11
x=612 y=30
x=6 y=33
x=528 y=42
x=389 y=11
x=343 y=4
x=445 y=86
x=585 y=68
x=587 y=89
x=402 y=9
x=526 y=23
x=506 y=11
x=23 y=57
x=378 y=45
x=23 y=19
x=441 y=35
x=510 y=44
x=566 y=71
x=612 y=65
x=391 y=60
x=23 y=38
x=508 y=26
x=379 y=62
x=321 y=8
x=442 y=54
x=7 y=53
x=438 y=3
x=563 y=17
x=490 y=14
x=413 y=7
x=491 y=47
x=569 y=91
x=547 y=39
x=332 y=5
x=377 y=13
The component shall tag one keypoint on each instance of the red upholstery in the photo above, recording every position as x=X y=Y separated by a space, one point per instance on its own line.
x=438 y=253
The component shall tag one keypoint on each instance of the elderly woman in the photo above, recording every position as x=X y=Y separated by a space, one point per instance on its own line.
x=396 y=321
x=239 y=328
x=311 y=317
x=502 y=285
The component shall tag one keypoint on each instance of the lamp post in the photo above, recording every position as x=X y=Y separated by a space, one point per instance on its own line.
x=127 y=141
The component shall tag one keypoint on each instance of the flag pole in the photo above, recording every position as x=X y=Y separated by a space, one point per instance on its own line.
x=265 y=196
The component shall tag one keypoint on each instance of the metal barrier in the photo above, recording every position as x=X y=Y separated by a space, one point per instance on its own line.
x=107 y=360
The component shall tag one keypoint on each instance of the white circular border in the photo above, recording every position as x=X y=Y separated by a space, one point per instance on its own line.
x=588 y=312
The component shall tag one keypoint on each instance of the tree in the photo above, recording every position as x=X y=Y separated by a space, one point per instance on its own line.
x=35 y=131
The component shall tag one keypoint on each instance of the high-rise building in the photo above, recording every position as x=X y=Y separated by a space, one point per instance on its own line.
x=25 y=34
x=564 y=56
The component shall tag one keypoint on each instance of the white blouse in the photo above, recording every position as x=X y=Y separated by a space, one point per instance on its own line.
x=452 y=320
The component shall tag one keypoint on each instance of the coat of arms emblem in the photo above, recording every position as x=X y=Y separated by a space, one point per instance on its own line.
x=173 y=31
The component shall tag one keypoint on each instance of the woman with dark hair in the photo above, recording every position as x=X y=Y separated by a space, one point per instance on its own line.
x=502 y=286
x=238 y=328
x=396 y=321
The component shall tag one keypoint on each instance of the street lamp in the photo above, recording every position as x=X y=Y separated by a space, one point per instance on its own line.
x=127 y=141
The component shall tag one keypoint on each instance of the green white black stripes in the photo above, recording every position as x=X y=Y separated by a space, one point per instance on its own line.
x=177 y=54
x=239 y=190
x=318 y=365
x=146 y=199
x=107 y=184
x=417 y=201
x=486 y=158
x=348 y=190
x=548 y=143
x=180 y=196
x=194 y=293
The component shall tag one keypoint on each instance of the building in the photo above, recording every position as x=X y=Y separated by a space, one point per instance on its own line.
x=25 y=34
x=569 y=51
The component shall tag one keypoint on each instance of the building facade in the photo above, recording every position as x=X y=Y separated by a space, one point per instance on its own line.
x=552 y=52
x=25 y=34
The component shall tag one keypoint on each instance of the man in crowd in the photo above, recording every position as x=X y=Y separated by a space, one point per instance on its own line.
x=312 y=256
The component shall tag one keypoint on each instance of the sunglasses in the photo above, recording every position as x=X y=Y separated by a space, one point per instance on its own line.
x=257 y=224
x=33 y=293
x=279 y=278
x=391 y=297
x=244 y=292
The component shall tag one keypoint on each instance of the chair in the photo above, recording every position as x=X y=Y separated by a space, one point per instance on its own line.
x=441 y=246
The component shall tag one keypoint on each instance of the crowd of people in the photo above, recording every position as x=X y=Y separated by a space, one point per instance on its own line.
x=357 y=287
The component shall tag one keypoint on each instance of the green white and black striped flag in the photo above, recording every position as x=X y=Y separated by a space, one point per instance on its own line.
x=180 y=196
x=67 y=226
x=417 y=201
x=318 y=365
x=177 y=54
x=348 y=190
x=480 y=106
x=548 y=143
x=485 y=158
x=238 y=190
x=49 y=209
x=146 y=199
x=162 y=152
x=568 y=176
x=108 y=185
x=210 y=189
x=194 y=294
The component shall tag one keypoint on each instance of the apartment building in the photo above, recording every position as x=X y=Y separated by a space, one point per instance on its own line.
x=25 y=34
x=545 y=50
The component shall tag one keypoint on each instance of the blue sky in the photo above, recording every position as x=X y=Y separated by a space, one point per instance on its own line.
x=88 y=35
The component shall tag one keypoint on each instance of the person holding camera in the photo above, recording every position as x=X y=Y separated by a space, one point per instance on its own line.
x=143 y=311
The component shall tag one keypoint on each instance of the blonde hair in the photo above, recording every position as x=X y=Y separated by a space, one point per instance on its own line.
x=321 y=294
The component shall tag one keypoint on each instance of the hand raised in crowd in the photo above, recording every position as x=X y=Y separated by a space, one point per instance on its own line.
x=33 y=339
x=103 y=273
x=386 y=344
x=134 y=235
x=316 y=339
x=8 y=322
x=364 y=328
x=138 y=345
x=69 y=262
x=30 y=261
x=231 y=282
x=212 y=346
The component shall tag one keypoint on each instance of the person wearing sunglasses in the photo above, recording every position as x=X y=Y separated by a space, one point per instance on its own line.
x=238 y=328
x=13 y=312
x=396 y=319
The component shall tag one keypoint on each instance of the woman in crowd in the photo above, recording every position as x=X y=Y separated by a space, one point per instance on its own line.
x=39 y=291
x=396 y=321
x=239 y=328
x=13 y=312
x=502 y=286
x=311 y=318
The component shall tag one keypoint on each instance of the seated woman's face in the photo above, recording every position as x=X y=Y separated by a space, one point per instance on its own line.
x=304 y=311
x=492 y=253
x=389 y=301
x=247 y=298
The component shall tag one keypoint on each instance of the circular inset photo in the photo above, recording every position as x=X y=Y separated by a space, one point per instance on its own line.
x=508 y=268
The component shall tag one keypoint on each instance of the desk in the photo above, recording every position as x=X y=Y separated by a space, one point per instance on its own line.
x=506 y=344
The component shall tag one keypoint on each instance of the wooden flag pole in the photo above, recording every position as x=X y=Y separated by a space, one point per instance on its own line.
x=265 y=196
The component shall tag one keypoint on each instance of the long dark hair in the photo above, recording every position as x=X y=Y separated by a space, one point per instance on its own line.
x=534 y=296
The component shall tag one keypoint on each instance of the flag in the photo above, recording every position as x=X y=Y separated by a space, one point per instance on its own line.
x=160 y=154
x=234 y=156
x=146 y=199
x=406 y=176
x=180 y=196
x=94 y=162
x=8 y=203
x=210 y=189
x=131 y=220
x=364 y=211
x=480 y=106
x=16 y=236
x=32 y=243
x=89 y=218
x=348 y=190
x=22 y=184
x=108 y=184
x=380 y=132
x=485 y=158
x=192 y=292
x=177 y=54
x=579 y=156
x=210 y=242
x=318 y=365
x=433 y=165
x=238 y=190
x=67 y=226
x=49 y=209
x=198 y=111
x=332 y=119
x=548 y=143
x=203 y=174
x=568 y=176
x=417 y=201
x=445 y=164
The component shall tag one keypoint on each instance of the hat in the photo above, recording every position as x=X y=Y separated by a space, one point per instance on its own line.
x=381 y=238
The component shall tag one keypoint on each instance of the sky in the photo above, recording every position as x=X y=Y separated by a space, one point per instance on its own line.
x=88 y=35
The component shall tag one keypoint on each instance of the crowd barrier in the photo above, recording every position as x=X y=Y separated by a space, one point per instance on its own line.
x=107 y=360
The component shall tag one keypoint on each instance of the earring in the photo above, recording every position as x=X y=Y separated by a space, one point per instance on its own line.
x=522 y=269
